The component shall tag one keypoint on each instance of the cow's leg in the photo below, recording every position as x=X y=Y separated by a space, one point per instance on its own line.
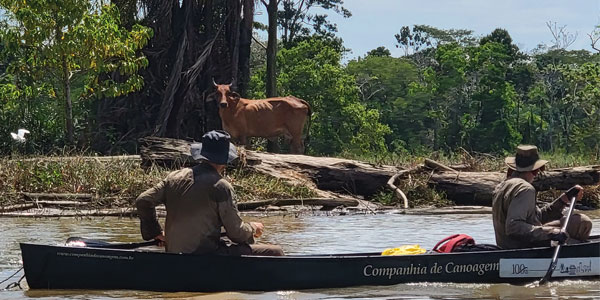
x=296 y=142
x=295 y=135
x=273 y=145
x=297 y=145
x=243 y=141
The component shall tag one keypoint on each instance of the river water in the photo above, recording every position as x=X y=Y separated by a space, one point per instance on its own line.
x=303 y=234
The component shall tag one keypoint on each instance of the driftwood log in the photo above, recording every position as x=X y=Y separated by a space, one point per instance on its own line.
x=57 y=197
x=325 y=202
x=329 y=176
x=476 y=188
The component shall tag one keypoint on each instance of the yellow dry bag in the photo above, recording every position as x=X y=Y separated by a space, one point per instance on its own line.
x=404 y=250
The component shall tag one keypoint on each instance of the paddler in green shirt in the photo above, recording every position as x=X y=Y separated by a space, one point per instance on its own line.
x=199 y=201
x=518 y=222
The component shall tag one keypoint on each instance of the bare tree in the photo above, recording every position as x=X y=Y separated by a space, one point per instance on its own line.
x=562 y=39
x=594 y=37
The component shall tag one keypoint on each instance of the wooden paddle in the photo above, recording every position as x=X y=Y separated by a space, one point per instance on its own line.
x=83 y=242
x=563 y=229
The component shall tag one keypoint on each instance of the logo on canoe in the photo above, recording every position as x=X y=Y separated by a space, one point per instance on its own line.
x=573 y=269
x=95 y=255
x=537 y=267
x=448 y=268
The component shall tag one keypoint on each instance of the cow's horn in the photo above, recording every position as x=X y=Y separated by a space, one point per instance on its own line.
x=214 y=82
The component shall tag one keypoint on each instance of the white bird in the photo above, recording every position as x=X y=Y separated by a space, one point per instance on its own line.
x=20 y=135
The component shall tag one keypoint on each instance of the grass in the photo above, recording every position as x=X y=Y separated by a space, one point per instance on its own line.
x=124 y=179
x=119 y=179
x=250 y=186
x=482 y=162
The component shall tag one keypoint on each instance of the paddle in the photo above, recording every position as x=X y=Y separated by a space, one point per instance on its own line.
x=564 y=228
x=83 y=242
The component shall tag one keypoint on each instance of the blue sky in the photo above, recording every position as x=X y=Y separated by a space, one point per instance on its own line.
x=375 y=22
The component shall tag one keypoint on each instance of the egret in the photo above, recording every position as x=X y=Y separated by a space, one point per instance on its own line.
x=20 y=135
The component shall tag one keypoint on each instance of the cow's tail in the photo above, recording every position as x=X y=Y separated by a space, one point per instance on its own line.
x=309 y=114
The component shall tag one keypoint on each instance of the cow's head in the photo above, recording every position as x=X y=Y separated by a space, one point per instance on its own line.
x=226 y=97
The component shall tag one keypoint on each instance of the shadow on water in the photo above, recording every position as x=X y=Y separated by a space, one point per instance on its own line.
x=297 y=235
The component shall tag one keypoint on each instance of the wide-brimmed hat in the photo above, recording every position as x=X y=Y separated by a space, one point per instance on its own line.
x=215 y=147
x=527 y=159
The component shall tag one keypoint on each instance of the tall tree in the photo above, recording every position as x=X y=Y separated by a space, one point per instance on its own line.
x=296 y=18
x=379 y=51
x=312 y=70
x=66 y=41
x=383 y=83
x=496 y=96
x=271 y=80
x=195 y=42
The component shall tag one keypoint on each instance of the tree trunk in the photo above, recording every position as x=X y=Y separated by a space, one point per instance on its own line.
x=476 y=188
x=271 y=80
x=193 y=42
x=68 y=102
x=66 y=89
x=326 y=202
x=325 y=174
x=329 y=175
x=245 y=42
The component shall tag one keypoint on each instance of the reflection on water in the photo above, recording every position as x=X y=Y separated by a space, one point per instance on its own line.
x=297 y=235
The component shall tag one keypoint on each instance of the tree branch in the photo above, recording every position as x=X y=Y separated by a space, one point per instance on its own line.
x=594 y=37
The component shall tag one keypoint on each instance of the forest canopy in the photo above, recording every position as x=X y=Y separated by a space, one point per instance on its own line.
x=96 y=77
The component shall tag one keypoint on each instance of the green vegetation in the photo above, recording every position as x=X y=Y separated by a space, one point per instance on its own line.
x=449 y=93
x=122 y=180
x=62 y=62
x=119 y=179
x=95 y=77
x=312 y=70
x=55 y=57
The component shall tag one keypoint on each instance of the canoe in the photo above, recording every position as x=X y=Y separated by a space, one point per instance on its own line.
x=61 y=267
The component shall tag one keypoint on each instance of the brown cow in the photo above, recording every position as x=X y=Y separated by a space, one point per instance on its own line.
x=268 y=118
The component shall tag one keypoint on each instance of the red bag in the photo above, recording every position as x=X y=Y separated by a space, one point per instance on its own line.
x=452 y=242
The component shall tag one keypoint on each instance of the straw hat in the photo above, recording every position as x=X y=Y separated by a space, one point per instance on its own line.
x=527 y=159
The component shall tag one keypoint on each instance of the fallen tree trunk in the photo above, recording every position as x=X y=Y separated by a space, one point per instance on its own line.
x=331 y=177
x=166 y=152
x=17 y=207
x=337 y=175
x=325 y=174
x=100 y=159
x=476 y=188
x=55 y=212
x=325 y=202
x=59 y=203
x=57 y=196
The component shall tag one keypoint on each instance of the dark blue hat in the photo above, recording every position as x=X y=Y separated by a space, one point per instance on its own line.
x=215 y=147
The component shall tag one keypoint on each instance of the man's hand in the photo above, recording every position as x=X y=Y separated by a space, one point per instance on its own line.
x=567 y=199
x=559 y=236
x=162 y=241
x=258 y=228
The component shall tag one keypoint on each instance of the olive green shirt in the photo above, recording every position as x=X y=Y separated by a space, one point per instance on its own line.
x=518 y=222
x=198 y=202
